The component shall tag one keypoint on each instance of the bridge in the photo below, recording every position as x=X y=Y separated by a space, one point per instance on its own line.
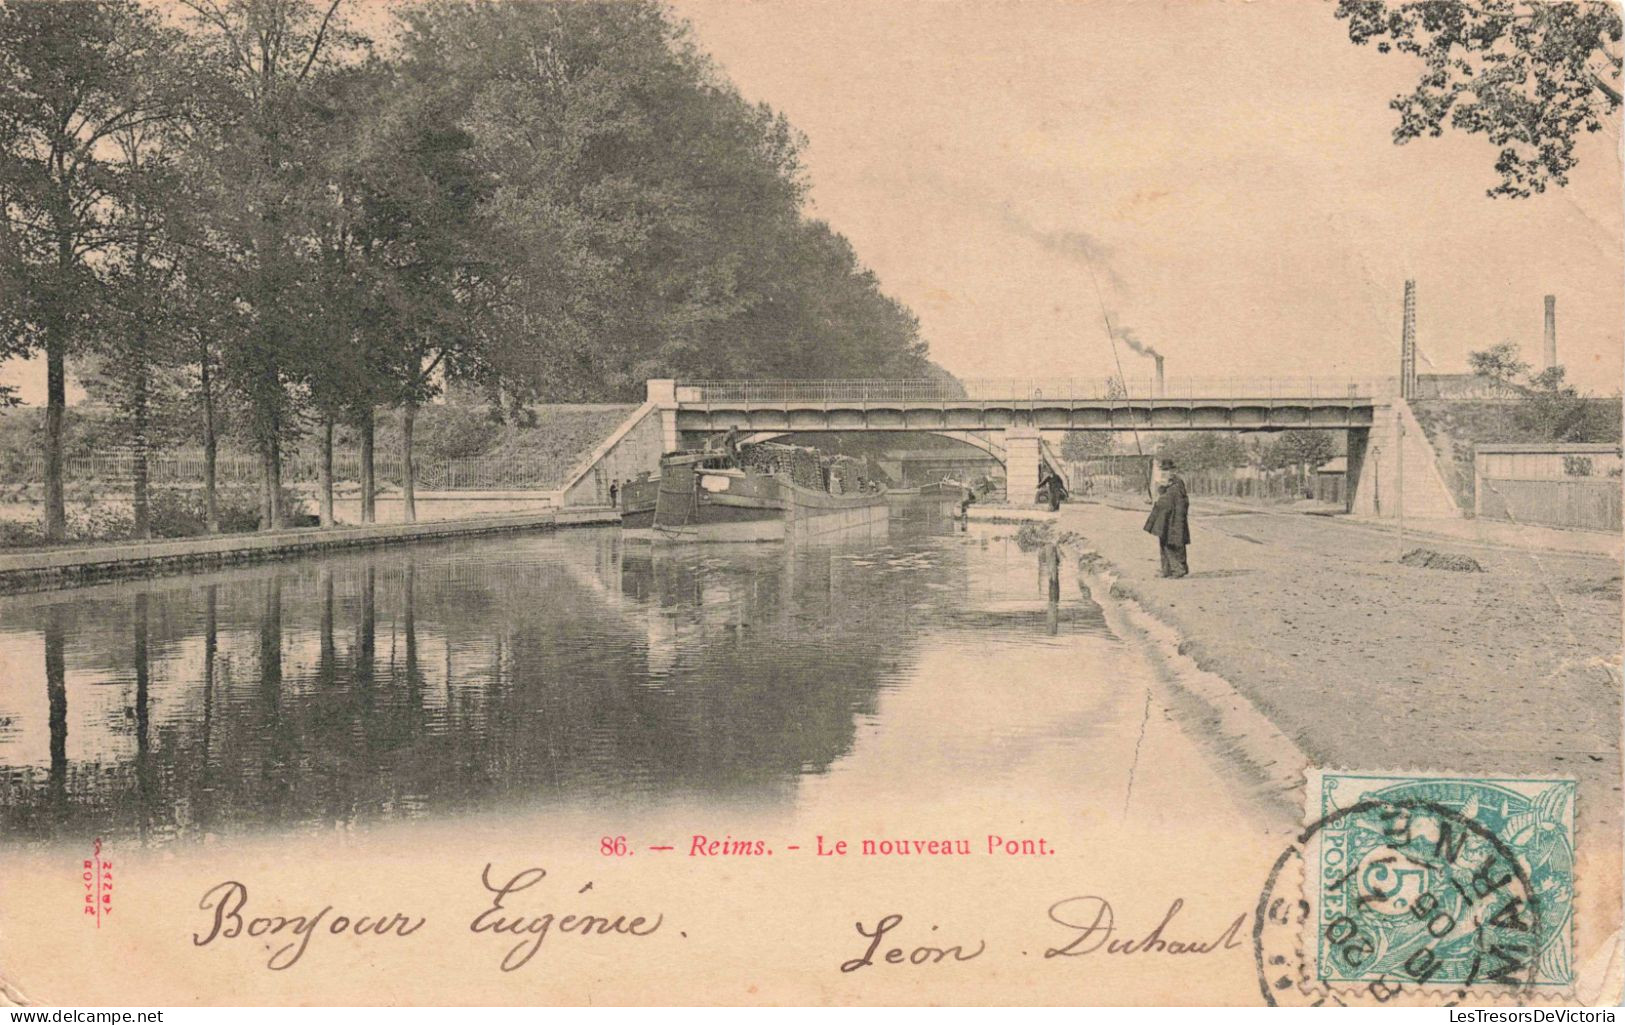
x=1004 y=417
x=1224 y=404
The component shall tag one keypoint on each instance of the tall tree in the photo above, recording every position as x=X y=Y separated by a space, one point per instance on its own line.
x=19 y=324
x=1203 y=450
x=423 y=263
x=205 y=318
x=1551 y=409
x=1500 y=363
x=1530 y=75
x=1079 y=446
x=72 y=81
x=1303 y=450
x=267 y=58
x=643 y=220
x=345 y=387
x=140 y=320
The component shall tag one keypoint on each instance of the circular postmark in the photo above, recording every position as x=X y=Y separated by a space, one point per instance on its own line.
x=1397 y=893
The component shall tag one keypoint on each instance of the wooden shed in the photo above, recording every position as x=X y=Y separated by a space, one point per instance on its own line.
x=1553 y=484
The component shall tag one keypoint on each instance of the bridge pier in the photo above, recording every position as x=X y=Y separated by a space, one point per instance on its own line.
x=1359 y=444
x=1021 y=457
x=1375 y=465
x=662 y=394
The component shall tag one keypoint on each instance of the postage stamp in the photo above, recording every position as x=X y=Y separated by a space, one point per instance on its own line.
x=1441 y=881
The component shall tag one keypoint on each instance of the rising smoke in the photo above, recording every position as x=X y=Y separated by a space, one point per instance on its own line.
x=1075 y=245
x=1095 y=256
x=1128 y=337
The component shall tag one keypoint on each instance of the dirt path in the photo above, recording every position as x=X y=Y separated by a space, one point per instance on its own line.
x=1367 y=663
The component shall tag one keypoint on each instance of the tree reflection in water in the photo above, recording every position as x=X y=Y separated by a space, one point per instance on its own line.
x=479 y=674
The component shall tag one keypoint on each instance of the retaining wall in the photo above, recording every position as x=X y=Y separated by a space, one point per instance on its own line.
x=634 y=447
x=66 y=567
x=1374 y=468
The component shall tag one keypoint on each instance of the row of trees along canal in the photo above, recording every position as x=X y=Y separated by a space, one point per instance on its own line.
x=250 y=213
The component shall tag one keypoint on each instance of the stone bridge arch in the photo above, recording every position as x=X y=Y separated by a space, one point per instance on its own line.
x=1033 y=449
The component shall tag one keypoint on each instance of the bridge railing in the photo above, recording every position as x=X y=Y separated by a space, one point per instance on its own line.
x=1029 y=390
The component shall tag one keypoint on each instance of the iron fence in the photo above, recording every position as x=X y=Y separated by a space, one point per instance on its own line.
x=1129 y=473
x=1282 y=486
x=179 y=470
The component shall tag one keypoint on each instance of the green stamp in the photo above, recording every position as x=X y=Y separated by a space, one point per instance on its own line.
x=1463 y=882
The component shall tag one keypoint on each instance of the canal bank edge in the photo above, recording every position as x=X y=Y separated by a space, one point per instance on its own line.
x=1274 y=761
x=1252 y=735
x=71 y=567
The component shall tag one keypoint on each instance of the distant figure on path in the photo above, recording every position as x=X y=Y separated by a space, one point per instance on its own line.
x=1050 y=489
x=614 y=490
x=1170 y=522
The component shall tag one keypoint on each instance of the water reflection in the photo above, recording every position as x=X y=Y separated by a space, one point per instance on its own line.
x=1049 y=572
x=480 y=674
x=56 y=688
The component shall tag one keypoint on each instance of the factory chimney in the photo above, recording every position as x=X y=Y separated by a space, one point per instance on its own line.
x=1551 y=331
x=1158 y=391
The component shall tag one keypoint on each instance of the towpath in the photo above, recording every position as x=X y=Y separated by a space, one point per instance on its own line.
x=1367 y=663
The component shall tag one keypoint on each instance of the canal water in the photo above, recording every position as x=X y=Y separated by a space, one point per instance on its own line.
x=757 y=743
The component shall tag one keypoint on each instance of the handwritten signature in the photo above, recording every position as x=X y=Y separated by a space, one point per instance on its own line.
x=1090 y=923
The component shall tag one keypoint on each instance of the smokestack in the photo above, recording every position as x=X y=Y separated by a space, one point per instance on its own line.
x=1551 y=331
x=1158 y=392
x=1407 y=345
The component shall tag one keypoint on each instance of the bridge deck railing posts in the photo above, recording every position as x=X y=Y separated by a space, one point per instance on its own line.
x=1024 y=395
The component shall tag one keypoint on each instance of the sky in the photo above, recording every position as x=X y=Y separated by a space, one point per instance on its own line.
x=1226 y=169
x=1218 y=178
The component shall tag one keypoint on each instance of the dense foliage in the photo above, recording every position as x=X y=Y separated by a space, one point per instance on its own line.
x=245 y=216
x=1547 y=408
x=1532 y=76
x=1228 y=450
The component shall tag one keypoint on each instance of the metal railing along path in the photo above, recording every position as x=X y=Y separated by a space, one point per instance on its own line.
x=186 y=469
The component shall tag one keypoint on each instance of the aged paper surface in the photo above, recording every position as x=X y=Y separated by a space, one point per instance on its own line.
x=1227 y=614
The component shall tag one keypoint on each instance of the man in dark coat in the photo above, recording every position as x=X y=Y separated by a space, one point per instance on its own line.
x=1050 y=488
x=1170 y=522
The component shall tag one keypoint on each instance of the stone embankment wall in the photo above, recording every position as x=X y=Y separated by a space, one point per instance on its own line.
x=64 y=567
x=634 y=447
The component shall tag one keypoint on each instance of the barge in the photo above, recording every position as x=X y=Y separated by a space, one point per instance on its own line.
x=766 y=492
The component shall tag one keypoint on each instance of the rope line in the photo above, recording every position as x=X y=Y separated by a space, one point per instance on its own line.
x=1111 y=336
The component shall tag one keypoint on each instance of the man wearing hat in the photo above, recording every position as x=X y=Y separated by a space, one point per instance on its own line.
x=1170 y=521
